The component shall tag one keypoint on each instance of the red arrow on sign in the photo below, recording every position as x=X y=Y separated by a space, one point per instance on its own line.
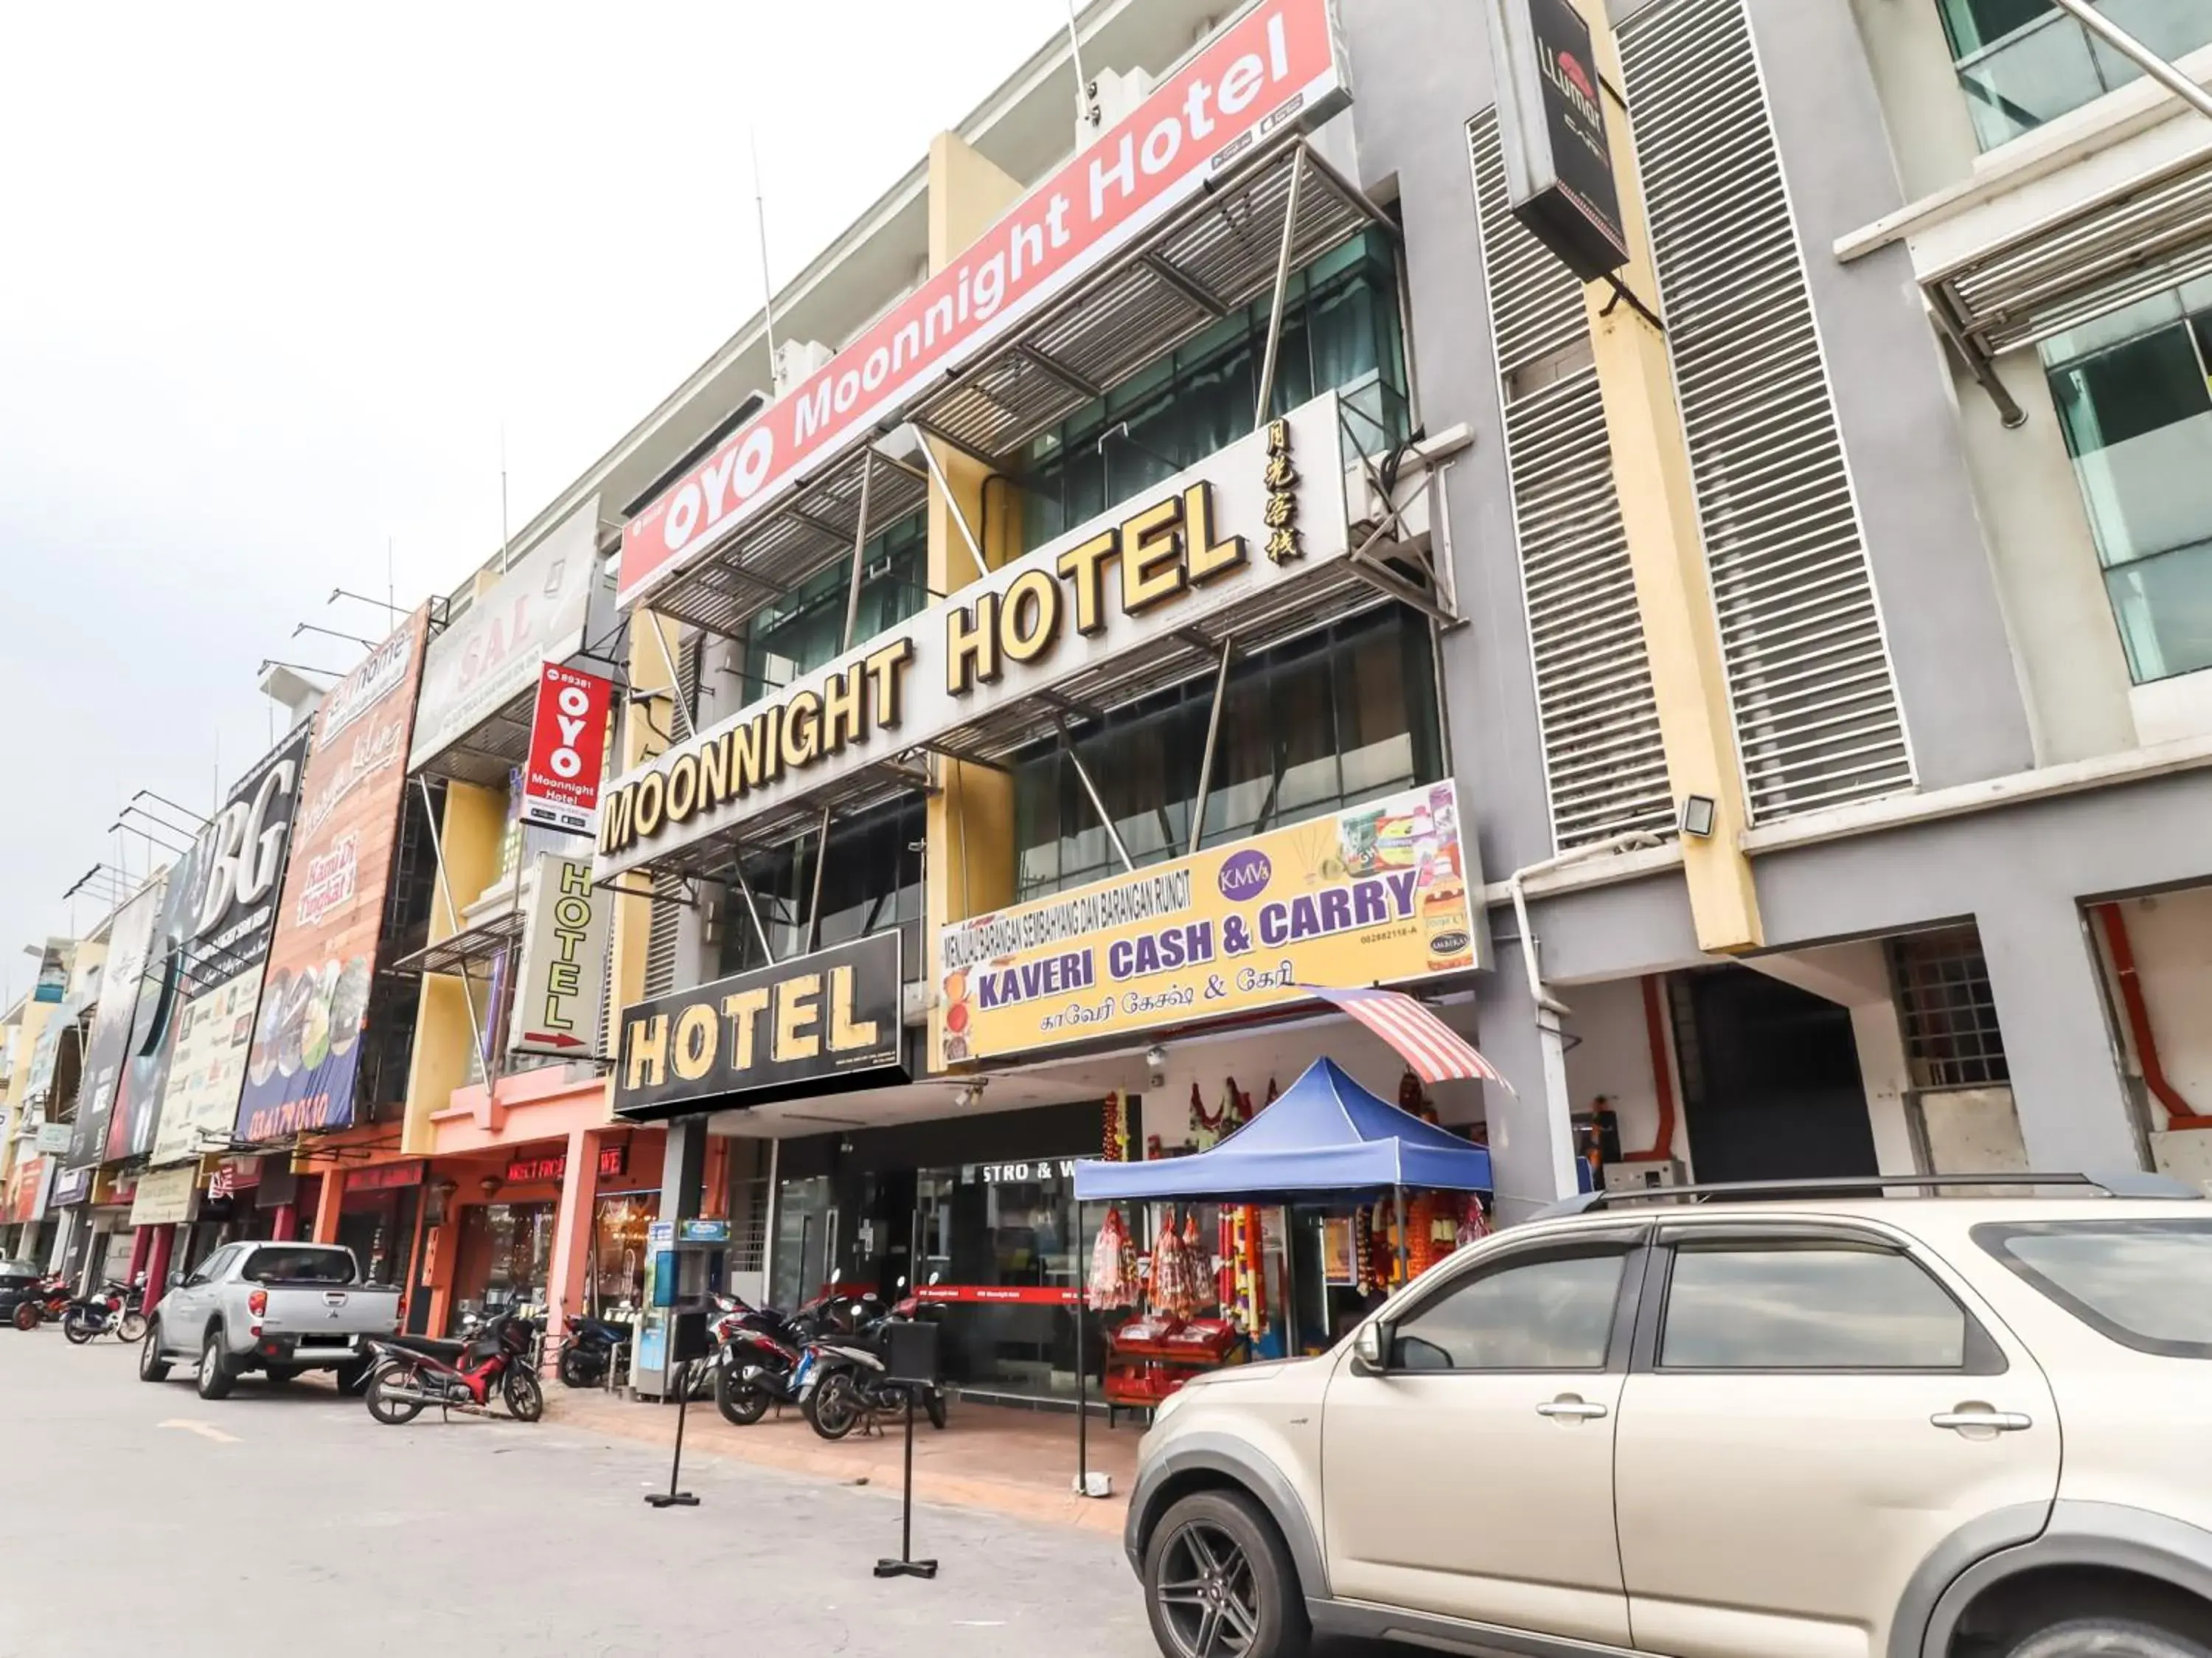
x=552 y=1040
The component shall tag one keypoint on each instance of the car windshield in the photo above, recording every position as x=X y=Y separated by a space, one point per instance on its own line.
x=2141 y=1281
x=300 y=1266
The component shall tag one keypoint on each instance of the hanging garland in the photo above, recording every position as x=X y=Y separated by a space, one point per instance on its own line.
x=1209 y=1130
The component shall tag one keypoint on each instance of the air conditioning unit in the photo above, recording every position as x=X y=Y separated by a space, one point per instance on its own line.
x=1644 y=1177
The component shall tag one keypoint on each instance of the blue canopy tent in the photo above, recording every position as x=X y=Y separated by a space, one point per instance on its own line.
x=1325 y=1138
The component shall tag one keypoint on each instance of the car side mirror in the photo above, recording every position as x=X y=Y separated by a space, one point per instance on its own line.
x=1371 y=1348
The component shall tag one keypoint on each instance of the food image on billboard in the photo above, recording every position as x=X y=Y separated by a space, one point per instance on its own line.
x=301 y=1062
x=130 y=942
x=206 y=1064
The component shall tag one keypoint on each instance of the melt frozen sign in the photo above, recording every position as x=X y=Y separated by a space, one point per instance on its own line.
x=568 y=751
x=1372 y=894
x=300 y=1067
x=1275 y=68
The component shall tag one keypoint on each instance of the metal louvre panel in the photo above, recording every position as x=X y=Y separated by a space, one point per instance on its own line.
x=661 y=934
x=1605 y=768
x=1810 y=685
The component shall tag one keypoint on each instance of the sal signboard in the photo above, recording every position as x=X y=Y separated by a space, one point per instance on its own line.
x=1187 y=553
x=301 y=1069
x=1278 y=67
x=1372 y=894
x=823 y=1023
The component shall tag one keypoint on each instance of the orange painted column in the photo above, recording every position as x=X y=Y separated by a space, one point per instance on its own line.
x=328 y=1205
x=572 y=1228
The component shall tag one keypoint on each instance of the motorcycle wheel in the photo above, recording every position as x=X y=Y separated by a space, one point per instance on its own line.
x=78 y=1332
x=834 y=1408
x=741 y=1406
x=525 y=1395
x=932 y=1402
x=580 y=1369
x=393 y=1411
x=27 y=1315
x=132 y=1328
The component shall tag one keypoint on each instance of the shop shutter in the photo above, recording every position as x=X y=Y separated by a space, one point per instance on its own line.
x=1604 y=767
x=1808 y=670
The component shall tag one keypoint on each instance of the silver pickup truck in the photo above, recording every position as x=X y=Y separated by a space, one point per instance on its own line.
x=279 y=1308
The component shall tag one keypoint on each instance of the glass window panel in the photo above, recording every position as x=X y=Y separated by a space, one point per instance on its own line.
x=1818 y=1308
x=2118 y=1276
x=2171 y=29
x=1543 y=1315
x=2031 y=78
x=1973 y=24
x=2163 y=606
x=2138 y=421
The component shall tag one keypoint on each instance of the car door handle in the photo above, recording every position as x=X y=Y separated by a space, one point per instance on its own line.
x=2002 y=1422
x=1574 y=1410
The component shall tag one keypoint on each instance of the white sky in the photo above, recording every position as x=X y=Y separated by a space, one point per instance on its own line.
x=274 y=279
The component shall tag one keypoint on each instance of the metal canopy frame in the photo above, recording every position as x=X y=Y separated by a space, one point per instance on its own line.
x=457 y=955
x=792 y=542
x=1217 y=252
x=2074 y=265
x=493 y=747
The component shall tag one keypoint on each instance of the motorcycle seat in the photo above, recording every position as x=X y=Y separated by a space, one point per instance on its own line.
x=428 y=1346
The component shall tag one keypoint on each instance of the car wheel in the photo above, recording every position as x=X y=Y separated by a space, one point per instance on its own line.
x=152 y=1366
x=2107 y=1637
x=216 y=1376
x=1219 y=1583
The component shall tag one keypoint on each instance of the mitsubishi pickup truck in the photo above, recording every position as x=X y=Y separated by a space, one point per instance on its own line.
x=279 y=1308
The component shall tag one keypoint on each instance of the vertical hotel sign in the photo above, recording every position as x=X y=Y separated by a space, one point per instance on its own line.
x=302 y=1067
x=1277 y=68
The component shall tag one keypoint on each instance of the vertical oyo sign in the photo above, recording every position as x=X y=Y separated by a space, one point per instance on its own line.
x=568 y=751
x=1551 y=127
x=1276 y=67
x=300 y=1070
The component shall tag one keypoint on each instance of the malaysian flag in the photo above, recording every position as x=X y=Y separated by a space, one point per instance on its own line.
x=1436 y=1053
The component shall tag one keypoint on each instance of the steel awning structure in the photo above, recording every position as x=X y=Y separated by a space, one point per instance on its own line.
x=459 y=953
x=1215 y=255
x=495 y=748
x=2080 y=263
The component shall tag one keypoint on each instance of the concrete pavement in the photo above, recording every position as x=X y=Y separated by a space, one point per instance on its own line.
x=137 y=1519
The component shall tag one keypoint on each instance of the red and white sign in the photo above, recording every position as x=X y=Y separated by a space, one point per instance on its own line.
x=568 y=750
x=1277 y=66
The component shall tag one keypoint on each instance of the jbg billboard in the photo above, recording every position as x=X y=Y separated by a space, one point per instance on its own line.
x=1372 y=894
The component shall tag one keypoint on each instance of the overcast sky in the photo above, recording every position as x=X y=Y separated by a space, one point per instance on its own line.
x=278 y=277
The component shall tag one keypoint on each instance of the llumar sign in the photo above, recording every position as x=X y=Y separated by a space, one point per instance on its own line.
x=1278 y=66
x=826 y=1023
x=1187 y=553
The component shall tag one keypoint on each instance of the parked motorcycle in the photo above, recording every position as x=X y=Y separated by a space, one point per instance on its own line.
x=115 y=1308
x=844 y=1382
x=588 y=1350
x=50 y=1300
x=759 y=1350
x=410 y=1371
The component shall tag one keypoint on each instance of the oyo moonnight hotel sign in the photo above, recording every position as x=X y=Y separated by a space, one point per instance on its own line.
x=1188 y=552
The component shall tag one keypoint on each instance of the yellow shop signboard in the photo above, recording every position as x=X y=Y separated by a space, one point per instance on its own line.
x=1373 y=895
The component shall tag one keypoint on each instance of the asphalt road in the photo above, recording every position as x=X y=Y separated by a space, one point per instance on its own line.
x=137 y=1519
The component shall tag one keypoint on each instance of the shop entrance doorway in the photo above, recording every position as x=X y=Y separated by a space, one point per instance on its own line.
x=875 y=1230
x=1770 y=1083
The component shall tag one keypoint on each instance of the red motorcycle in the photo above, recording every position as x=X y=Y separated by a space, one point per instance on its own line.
x=408 y=1373
x=49 y=1301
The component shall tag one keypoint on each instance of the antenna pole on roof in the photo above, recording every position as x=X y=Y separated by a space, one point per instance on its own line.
x=503 y=495
x=1082 y=80
x=760 y=225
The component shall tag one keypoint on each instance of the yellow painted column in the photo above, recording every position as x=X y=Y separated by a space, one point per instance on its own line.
x=470 y=830
x=647 y=726
x=1658 y=512
x=968 y=860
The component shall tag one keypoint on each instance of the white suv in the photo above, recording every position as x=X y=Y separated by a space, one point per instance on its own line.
x=1791 y=1427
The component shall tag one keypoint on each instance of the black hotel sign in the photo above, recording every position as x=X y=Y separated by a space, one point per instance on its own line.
x=822 y=1023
